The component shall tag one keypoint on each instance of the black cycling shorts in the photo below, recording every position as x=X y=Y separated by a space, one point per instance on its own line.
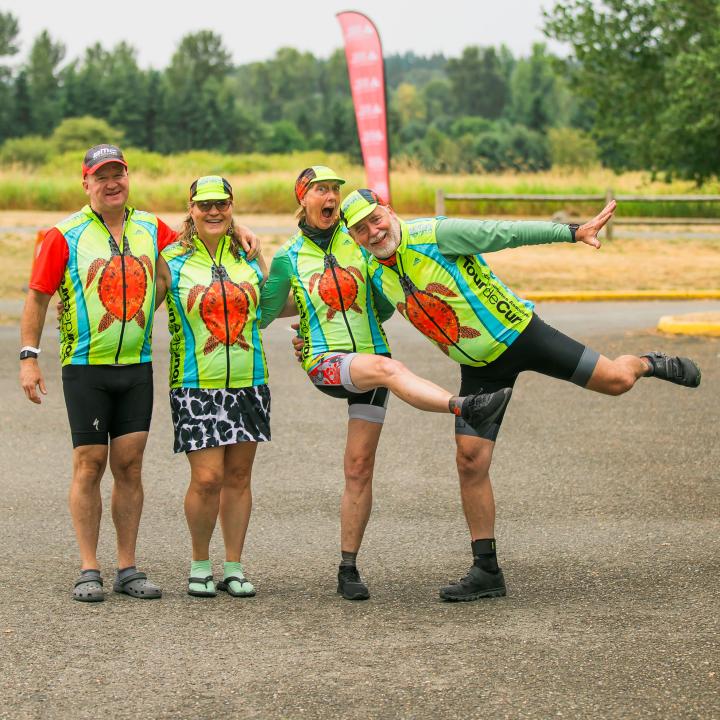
x=540 y=348
x=107 y=400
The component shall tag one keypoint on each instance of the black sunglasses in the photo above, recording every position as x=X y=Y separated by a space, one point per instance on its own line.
x=207 y=205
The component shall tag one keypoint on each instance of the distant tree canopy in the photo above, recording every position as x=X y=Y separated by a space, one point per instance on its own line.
x=647 y=73
x=637 y=92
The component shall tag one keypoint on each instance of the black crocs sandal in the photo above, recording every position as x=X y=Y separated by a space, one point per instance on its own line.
x=137 y=586
x=89 y=587
x=201 y=581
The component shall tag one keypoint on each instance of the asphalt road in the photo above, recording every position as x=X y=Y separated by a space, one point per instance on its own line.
x=608 y=533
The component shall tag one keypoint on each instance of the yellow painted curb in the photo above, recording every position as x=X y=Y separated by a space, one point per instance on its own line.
x=596 y=295
x=685 y=325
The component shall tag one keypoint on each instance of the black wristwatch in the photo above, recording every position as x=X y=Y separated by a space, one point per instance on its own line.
x=573 y=229
x=29 y=352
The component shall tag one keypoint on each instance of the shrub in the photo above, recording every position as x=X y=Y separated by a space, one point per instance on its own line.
x=572 y=148
x=80 y=133
x=29 y=151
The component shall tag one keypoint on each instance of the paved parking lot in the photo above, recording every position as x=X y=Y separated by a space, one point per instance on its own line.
x=608 y=533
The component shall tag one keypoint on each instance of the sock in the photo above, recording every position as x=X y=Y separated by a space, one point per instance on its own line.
x=484 y=555
x=348 y=559
x=122 y=573
x=200 y=568
x=232 y=568
x=455 y=404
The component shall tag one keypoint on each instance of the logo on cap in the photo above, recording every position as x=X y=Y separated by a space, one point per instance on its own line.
x=100 y=155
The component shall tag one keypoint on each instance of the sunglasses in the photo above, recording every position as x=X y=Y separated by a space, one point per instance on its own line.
x=207 y=205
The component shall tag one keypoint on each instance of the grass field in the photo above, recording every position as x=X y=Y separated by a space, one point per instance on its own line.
x=639 y=263
x=264 y=184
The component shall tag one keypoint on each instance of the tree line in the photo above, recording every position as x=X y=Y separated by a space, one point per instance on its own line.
x=636 y=92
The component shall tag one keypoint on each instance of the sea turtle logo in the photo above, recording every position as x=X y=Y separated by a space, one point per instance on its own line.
x=122 y=286
x=225 y=326
x=337 y=287
x=431 y=315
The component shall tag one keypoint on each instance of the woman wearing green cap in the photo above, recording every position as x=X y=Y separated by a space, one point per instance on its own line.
x=345 y=352
x=219 y=397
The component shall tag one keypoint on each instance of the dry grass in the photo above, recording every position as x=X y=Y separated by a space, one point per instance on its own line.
x=634 y=264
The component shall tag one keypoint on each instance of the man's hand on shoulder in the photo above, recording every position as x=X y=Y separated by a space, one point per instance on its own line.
x=249 y=240
x=588 y=233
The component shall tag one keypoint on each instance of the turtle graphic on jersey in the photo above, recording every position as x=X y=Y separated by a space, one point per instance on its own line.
x=121 y=270
x=337 y=287
x=431 y=315
x=222 y=294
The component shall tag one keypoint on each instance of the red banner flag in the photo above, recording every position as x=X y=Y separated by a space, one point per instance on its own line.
x=367 y=83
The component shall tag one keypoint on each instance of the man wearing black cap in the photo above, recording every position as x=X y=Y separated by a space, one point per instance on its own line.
x=101 y=260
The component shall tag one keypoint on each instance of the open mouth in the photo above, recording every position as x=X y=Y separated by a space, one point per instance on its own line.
x=328 y=212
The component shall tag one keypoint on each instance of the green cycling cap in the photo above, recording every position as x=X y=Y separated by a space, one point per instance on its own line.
x=358 y=205
x=210 y=187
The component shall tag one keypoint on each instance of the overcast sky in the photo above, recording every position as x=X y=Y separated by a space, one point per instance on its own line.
x=254 y=30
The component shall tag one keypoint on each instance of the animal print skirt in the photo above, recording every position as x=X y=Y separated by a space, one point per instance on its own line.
x=205 y=418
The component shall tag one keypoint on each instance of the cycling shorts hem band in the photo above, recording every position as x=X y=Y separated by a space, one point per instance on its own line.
x=370 y=413
x=489 y=432
x=585 y=367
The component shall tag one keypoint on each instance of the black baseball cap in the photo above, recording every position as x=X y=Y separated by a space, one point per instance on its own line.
x=100 y=155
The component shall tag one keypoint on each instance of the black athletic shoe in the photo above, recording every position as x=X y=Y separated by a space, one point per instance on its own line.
x=678 y=370
x=478 y=583
x=350 y=585
x=480 y=411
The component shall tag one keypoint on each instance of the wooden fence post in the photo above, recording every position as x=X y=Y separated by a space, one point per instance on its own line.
x=439 y=202
x=609 y=196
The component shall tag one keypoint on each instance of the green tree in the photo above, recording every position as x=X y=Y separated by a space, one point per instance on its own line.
x=689 y=139
x=109 y=84
x=479 y=86
x=195 y=112
x=199 y=57
x=8 y=47
x=43 y=83
x=631 y=63
x=539 y=98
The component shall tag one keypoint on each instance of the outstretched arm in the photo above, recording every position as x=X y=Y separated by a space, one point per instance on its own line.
x=31 y=325
x=457 y=237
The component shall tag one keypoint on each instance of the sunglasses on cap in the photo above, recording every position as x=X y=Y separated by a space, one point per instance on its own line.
x=207 y=205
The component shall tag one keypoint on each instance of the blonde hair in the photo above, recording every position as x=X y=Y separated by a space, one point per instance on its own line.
x=189 y=232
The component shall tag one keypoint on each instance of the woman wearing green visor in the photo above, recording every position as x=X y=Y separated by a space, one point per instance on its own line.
x=345 y=352
x=219 y=397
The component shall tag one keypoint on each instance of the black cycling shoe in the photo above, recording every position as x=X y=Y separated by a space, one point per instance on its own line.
x=350 y=585
x=478 y=583
x=481 y=410
x=678 y=370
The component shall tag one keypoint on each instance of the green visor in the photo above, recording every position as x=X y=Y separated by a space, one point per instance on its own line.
x=358 y=205
x=210 y=187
